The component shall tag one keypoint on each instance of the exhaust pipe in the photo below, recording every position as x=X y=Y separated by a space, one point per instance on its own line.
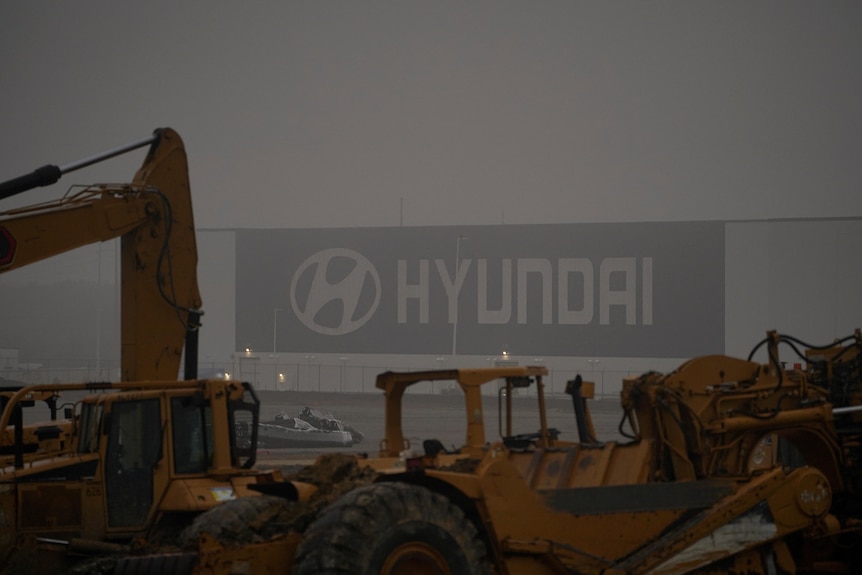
x=585 y=427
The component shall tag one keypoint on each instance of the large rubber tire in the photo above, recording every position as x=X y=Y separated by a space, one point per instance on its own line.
x=237 y=522
x=392 y=529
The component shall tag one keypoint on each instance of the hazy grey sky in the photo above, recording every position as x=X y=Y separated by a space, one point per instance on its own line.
x=322 y=114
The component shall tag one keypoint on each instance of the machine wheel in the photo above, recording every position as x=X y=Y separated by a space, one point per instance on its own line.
x=392 y=529
x=238 y=521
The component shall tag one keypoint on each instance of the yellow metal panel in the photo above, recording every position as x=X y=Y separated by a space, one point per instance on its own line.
x=55 y=506
x=269 y=558
x=630 y=464
x=550 y=469
x=584 y=543
x=199 y=494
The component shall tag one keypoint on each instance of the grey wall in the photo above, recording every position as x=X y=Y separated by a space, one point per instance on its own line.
x=629 y=289
x=217 y=278
x=796 y=276
x=801 y=278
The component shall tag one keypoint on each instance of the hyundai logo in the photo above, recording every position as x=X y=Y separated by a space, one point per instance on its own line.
x=335 y=291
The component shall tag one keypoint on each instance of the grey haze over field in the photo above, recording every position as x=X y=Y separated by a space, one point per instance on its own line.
x=340 y=114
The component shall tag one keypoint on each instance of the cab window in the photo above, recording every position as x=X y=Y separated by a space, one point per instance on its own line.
x=91 y=419
x=191 y=421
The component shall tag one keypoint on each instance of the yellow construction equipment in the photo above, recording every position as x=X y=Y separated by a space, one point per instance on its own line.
x=732 y=466
x=144 y=456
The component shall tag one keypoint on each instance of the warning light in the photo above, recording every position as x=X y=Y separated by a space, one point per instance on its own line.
x=7 y=247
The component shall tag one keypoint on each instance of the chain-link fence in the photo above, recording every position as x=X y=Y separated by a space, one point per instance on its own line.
x=346 y=377
x=340 y=376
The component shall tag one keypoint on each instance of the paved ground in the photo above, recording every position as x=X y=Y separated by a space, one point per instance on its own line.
x=426 y=416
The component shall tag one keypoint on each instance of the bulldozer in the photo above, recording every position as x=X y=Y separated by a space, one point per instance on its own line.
x=144 y=455
x=729 y=466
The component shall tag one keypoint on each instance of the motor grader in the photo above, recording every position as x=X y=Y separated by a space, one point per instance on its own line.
x=732 y=466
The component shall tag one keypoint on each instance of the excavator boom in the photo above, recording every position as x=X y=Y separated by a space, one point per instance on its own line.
x=153 y=217
x=146 y=455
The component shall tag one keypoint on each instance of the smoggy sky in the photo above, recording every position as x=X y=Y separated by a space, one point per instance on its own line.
x=333 y=114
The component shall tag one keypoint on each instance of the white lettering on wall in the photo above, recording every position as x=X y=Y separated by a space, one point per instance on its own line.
x=625 y=296
x=578 y=297
x=579 y=270
x=504 y=314
x=413 y=291
x=453 y=288
x=542 y=267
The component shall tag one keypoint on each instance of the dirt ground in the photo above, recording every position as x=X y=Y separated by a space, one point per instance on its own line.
x=426 y=416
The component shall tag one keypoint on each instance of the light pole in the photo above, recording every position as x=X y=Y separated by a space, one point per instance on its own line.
x=455 y=280
x=550 y=380
x=593 y=363
x=275 y=329
x=342 y=359
x=440 y=361
x=308 y=359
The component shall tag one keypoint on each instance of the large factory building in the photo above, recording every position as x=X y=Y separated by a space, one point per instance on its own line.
x=330 y=308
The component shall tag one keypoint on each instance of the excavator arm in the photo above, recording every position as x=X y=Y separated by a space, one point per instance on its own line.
x=160 y=301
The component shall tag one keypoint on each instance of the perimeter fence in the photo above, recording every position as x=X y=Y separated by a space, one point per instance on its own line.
x=341 y=377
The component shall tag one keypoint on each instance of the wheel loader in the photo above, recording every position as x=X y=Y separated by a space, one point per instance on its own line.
x=140 y=457
x=730 y=466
